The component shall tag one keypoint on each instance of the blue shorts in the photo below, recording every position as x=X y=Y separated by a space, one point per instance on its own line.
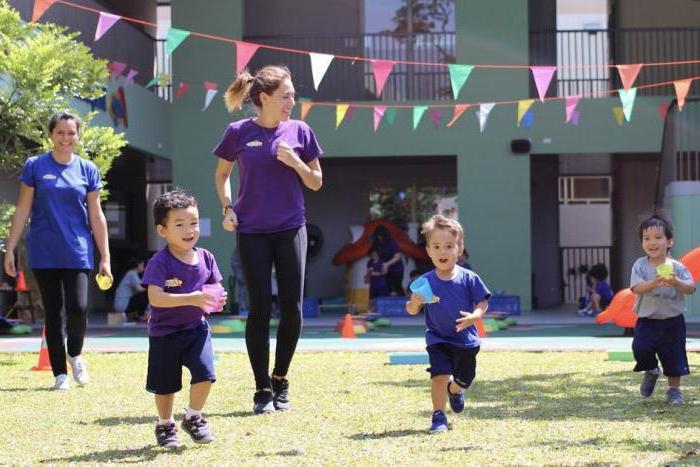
x=168 y=354
x=662 y=338
x=447 y=359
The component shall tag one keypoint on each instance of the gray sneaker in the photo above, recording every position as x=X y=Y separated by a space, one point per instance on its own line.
x=646 y=389
x=674 y=396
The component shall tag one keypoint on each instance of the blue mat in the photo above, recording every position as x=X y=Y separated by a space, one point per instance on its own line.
x=408 y=358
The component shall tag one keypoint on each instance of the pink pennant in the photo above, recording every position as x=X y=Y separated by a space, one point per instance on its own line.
x=210 y=85
x=682 y=87
x=40 y=7
x=116 y=68
x=662 y=108
x=350 y=114
x=381 y=70
x=105 y=22
x=575 y=117
x=244 y=52
x=543 y=76
x=305 y=107
x=628 y=73
x=130 y=76
x=181 y=90
x=378 y=115
x=459 y=110
x=570 y=103
x=436 y=117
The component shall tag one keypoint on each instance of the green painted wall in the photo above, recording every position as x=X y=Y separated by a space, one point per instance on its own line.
x=685 y=212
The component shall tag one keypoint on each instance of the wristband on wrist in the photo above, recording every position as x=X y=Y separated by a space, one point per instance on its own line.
x=225 y=209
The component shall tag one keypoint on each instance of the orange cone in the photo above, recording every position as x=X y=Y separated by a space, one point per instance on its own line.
x=21 y=283
x=480 y=327
x=44 y=362
x=348 y=329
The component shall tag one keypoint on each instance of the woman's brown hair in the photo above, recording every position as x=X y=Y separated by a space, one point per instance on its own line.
x=266 y=80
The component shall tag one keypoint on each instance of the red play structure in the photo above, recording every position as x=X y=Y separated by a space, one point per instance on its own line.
x=354 y=251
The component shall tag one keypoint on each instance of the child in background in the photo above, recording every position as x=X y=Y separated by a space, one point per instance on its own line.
x=451 y=335
x=178 y=334
x=660 y=330
x=131 y=298
x=376 y=276
x=598 y=294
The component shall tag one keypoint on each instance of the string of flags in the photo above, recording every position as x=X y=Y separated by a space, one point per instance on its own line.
x=381 y=70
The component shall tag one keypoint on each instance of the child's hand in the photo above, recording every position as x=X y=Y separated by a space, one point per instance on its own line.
x=467 y=319
x=414 y=305
x=658 y=281
x=205 y=301
x=669 y=281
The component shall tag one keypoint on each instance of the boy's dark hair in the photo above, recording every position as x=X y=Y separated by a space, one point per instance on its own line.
x=599 y=272
x=656 y=221
x=53 y=121
x=175 y=199
x=134 y=261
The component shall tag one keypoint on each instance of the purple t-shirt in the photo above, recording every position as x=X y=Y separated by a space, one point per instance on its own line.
x=270 y=197
x=173 y=276
x=386 y=251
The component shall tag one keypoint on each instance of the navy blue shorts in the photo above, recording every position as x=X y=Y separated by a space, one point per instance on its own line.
x=662 y=338
x=447 y=359
x=168 y=354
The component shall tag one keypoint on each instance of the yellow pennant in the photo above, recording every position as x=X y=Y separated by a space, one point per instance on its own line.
x=523 y=107
x=340 y=111
x=619 y=115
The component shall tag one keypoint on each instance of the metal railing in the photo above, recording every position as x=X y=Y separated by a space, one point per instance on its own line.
x=592 y=50
x=576 y=262
x=162 y=65
x=353 y=80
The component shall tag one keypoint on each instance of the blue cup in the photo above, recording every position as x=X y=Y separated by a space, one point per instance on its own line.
x=421 y=286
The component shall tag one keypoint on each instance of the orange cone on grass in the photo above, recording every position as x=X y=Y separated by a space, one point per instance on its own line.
x=347 y=331
x=44 y=362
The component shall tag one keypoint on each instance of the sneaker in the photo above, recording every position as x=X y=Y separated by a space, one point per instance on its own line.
x=646 y=389
x=166 y=435
x=456 y=400
x=262 y=402
x=583 y=312
x=197 y=428
x=79 y=366
x=280 y=394
x=439 y=422
x=62 y=382
x=674 y=396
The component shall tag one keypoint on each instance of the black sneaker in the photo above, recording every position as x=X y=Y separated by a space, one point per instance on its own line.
x=166 y=435
x=280 y=394
x=646 y=389
x=262 y=402
x=196 y=427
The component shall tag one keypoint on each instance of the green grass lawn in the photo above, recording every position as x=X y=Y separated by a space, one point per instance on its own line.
x=354 y=408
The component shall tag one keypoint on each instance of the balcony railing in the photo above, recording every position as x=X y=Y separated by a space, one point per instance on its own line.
x=353 y=80
x=593 y=50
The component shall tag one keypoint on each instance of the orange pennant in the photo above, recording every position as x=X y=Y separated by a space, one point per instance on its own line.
x=305 y=107
x=459 y=110
x=40 y=7
x=628 y=73
x=663 y=110
x=682 y=87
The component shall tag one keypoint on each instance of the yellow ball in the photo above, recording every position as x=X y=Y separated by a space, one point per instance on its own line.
x=103 y=282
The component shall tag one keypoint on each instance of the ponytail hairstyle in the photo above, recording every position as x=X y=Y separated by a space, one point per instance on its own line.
x=247 y=86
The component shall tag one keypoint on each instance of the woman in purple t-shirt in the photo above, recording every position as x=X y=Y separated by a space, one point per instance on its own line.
x=275 y=157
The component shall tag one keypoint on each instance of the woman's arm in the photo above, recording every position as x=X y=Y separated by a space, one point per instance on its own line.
x=222 y=182
x=19 y=221
x=98 y=223
x=310 y=174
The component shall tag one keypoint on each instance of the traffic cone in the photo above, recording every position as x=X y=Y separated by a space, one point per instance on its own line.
x=480 y=327
x=21 y=283
x=44 y=362
x=348 y=329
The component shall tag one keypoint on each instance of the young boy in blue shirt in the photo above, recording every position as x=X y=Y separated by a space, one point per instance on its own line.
x=178 y=334
x=461 y=298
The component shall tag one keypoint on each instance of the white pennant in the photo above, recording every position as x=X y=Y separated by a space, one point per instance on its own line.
x=483 y=115
x=207 y=99
x=319 y=66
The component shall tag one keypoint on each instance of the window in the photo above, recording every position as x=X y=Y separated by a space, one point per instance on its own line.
x=402 y=205
x=585 y=189
x=428 y=16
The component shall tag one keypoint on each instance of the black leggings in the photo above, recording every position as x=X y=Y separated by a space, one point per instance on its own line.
x=287 y=251
x=63 y=288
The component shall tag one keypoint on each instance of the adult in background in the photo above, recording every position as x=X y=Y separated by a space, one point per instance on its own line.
x=276 y=156
x=60 y=192
x=389 y=254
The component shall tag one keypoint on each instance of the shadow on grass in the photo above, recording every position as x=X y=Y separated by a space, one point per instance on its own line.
x=387 y=434
x=114 y=421
x=140 y=455
x=291 y=453
x=237 y=414
x=42 y=389
x=407 y=383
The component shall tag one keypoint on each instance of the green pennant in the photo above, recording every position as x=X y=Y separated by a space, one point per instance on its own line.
x=458 y=76
x=418 y=112
x=175 y=38
x=390 y=115
x=152 y=82
x=627 y=99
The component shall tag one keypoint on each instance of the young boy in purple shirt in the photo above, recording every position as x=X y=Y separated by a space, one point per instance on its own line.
x=451 y=336
x=178 y=334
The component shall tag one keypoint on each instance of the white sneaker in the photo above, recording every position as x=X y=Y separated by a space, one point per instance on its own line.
x=80 y=374
x=62 y=382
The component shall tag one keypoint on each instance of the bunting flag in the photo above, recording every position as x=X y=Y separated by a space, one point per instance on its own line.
x=483 y=114
x=459 y=110
x=350 y=114
x=340 y=111
x=40 y=7
x=523 y=106
x=628 y=74
x=627 y=98
x=575 y=118
x=458 y=76
x=130 y=77
x=319 y=66
x=390 y=115
x=381 y=70
x=304 y=109
x=175 y=38
x=682 y=86
x=152 y=82
x=116 y=68
x=378 y=114
x=211 y=88
x=244 y=52
x=543 y=76
x=662 y=108
x=181 y=90
x=105 y=22
x=570 y=103
x=165 y=79
x=528 y=118
x=418 y=111
x=436 y=117
x=619 y=115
